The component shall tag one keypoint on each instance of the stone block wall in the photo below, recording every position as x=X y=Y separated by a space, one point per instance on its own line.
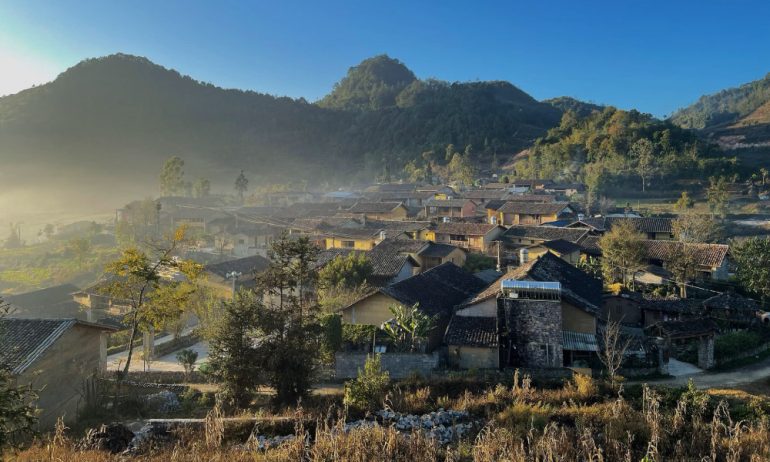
x=399 y=365
x=536 y=327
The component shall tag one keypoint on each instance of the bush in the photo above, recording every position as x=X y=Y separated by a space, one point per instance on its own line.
x=367 y=391
x=729 y=345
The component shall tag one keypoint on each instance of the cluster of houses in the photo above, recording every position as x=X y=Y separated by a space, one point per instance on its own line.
x=532 y=308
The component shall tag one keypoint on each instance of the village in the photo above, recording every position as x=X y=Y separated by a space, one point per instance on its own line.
x=482 y=281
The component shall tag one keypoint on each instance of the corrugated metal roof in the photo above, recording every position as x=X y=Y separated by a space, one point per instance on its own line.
x=579 y=341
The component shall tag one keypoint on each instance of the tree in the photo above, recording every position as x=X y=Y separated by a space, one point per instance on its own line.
x=136 y=279
x=345 y=272
x=622 y=253
x=80 y=247
x=367 y=390
x=241 y=185
x=685 y=202
x=614 y=348
x=202 y=187
x=462 y=169
x=48 y=231
x=643 y=153
x=752 y=258
x=288 y=325
x=717 y=196
x=233 y=357
x=172 y=177
x=683 y=265
x=187 y=359
x=14 y=237
x=408 y=327
x=693 y=227
x=17 y=410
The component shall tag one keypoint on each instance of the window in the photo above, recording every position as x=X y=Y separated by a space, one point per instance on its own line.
x=348 y=244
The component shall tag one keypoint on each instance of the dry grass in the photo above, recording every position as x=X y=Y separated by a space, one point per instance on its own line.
x=580 y=421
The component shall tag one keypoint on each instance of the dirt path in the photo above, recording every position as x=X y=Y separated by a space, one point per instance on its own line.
x=743 y=375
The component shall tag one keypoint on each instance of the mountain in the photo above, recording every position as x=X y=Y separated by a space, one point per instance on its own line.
x=737 y=119
x=580 y=108
x=106 y=125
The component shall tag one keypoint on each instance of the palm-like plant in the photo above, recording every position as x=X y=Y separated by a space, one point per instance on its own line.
x=408 y=326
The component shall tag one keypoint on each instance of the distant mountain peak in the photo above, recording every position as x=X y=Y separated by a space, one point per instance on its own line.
x=372 y=84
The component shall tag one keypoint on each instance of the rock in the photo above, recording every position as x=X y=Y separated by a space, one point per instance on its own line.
x=164 y=401
x=114 y=437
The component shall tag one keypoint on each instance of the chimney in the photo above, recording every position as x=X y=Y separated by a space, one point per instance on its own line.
x=499 y=260
x=383 y=235
x=581 y=217
x=523 y=256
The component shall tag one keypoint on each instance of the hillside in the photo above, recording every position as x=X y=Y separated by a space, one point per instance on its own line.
x=737 y=119
x=580 y=108
x=107 y=124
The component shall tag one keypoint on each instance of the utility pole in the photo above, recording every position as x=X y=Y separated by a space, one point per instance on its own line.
x=157 y=218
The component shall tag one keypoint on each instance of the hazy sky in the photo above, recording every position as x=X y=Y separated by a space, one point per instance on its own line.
x=655 y=56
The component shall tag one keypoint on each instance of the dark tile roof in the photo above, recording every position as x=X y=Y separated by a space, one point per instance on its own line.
x=385 y=187
x=51 y=297
x=685 y=328
x=398 y=196
x=672 y=305
x=539 y=198
x=22 y=341
x=546 y=233
x=590 y=245
x=494 y=204
x=561 y=246
x=474 y=331
x=374 y=207
x=437 y=290
x=401 y=245
x=488 y=275
x=708 y=255
x=467 y=229
x=533 y=208
x=455 y=203
x=732 y=302
x=327 y=255
x=641 y=224
x=577 y=286
x=484 y=194
x=437 y=250
x=247 y=266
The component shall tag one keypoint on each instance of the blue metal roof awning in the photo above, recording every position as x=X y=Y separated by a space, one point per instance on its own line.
x=578 y=341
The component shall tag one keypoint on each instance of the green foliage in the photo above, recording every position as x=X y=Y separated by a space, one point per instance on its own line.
x=477 y=262
x=717 y=196
x=607 y=148
x=80 y=247
x=367 y=391
x=201 y=188
x=357 y=334
x=684 y=202
x=232 y=355
x=332 y=336
x=729 y=345
x=408 y=327
x=345 y=272
x=172 y=177
x=187 y=359
x=752 y=258
x=241 y=185
x=726 y=106
x=592 y=266
x=622 y=253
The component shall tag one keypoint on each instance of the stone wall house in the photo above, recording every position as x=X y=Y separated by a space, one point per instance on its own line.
x=59 y=357
x=472 y=342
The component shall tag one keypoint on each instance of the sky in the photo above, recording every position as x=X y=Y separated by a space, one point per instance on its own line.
x=654 y=56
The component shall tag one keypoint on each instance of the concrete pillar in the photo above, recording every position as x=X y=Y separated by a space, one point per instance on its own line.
x=148 y=344
x=706 y=352
x=663 y=355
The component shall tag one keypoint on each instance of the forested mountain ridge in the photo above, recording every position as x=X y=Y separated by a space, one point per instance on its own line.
x=107 y=116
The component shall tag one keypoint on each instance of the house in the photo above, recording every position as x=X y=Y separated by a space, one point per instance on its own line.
x=242 y=236
x=436 y=292
x=388 y=267
x=476 y=237
x=450 y=208
x=428 y=254
x=380 y=210
x=566 y=250
x=365 y=234
x=482 y=196
x=733 y=308
x=286 y=198
x=58 y=357
x=710 y=259
x=533 y=213
x=231 y=276
x=392 y=187
x=635 y=310
x=565 y=189
x=655 y=228
x=408 y=198
x=527 y=235
x=472 y=342
x=52 y=302
x=546 y=313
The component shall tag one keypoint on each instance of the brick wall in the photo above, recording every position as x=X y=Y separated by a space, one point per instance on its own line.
x=399 y=365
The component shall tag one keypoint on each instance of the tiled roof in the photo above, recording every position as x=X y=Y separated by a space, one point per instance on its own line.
x=539 y=198
x=642 y=224
x=576 y=286
x=467 y=229
x=22 y=341
x=672 y=305
x=561 y=246
x=374 y=207
x=546 y=233
x=708 y=255
x=437 y=290
x=533 y=208
x=447 y=202
x=731 y=301
x=437 y=250
x=384 y=187
x=579 y=341
x=590 y=245
x=475 y=331
x=685 y=328
x=399 y=196
x=494 y=204
x=51 y=297
x=484 y=194
x=247 y=266
x=488 y=275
